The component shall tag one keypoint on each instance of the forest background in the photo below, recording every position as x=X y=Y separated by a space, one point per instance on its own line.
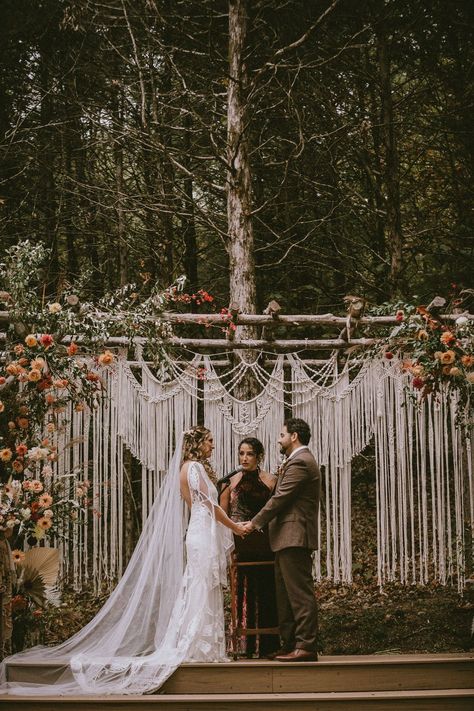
x=273 y=149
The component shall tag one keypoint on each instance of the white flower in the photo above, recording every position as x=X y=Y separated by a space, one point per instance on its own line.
x=48 y=513
x=38 y=453
x=11 y=523
x=26 y=514
x=462 y=321
x=55 y=308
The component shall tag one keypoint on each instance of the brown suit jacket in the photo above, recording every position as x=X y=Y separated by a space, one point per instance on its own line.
x=292 y=512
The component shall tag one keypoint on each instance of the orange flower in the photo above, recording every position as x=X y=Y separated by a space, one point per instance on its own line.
x=23 y=423
x=18 y=556
x=72 y=349
x=45 y=523
x=447 y=338
x=45 y=500
x=31 y=341
x=21 y=449
x=106 y=358
x=417 y=370
x=467 y=361
x=50 y=398
x=36 y=486
x=18 y=349
x=446 y=369
x=13 y=368
x=6 y=454
x=448 y=357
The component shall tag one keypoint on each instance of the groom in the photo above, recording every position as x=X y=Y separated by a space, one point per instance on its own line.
x=292 y=515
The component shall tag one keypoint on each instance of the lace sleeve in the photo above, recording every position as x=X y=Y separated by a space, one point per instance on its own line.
x=200 y=487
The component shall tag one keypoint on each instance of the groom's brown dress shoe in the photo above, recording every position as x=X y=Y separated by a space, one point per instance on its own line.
x=297 y=655
x=278 y=653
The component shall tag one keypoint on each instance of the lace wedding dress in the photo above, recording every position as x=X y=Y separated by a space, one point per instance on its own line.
x=166 y=610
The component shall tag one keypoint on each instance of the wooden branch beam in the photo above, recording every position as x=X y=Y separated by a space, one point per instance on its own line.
x=224 y=344
x=266 y=319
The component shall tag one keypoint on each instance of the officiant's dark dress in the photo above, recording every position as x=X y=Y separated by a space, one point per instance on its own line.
x=256 y=592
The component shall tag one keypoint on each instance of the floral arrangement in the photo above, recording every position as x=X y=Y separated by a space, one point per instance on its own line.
x=55 y=358
x=435 y=354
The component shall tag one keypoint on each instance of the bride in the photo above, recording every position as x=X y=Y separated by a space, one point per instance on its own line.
x=168 y=606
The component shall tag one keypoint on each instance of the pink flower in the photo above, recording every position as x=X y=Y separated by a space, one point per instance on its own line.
x=418 y=383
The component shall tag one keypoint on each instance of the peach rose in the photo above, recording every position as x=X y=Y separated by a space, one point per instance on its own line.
x=26 y=485
x=13 y=368
x=38 y=363
x=31 y=341
x=34 y=375
x=470 y=377
x=448 y=357
x=36 y=486
x=18 y=349
x=106 y=358
x=455 y=371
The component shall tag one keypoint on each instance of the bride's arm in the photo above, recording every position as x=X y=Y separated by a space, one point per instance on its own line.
x=194 y=488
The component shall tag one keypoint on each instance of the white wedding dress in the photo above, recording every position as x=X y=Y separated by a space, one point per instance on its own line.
x=166 y=610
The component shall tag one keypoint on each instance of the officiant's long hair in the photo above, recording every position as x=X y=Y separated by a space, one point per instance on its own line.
x=193 y=439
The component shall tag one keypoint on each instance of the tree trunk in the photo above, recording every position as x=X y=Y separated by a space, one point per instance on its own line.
x=239 y=202
x=393 y=222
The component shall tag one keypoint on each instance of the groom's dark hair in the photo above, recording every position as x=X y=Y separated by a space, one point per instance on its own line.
x=295 y=424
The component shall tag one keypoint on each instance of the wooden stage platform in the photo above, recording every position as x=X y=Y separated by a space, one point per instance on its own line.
x=409 y=682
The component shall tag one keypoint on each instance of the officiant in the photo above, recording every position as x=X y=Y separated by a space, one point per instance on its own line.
x=247 y=494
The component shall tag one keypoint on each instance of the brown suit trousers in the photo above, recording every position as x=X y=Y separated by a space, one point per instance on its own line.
x=292 y=515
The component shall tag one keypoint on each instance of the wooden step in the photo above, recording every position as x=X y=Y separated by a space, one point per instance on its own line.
x=330 y=674
x=440 y=700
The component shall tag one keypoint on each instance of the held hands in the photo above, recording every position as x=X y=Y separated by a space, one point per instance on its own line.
x=243 y=529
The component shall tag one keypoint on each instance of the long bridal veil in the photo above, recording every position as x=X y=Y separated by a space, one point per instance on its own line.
x=112 y=652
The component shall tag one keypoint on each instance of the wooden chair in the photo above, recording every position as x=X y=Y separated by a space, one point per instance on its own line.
x=237 y=567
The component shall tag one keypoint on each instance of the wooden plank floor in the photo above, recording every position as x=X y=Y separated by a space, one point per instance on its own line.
x=330 y=674
x=443 y=700
x=415 y=682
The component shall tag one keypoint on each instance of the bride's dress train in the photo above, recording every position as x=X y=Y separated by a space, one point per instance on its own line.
x=167 y=609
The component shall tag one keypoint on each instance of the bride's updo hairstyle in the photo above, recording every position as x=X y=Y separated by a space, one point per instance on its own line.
x=193 y=439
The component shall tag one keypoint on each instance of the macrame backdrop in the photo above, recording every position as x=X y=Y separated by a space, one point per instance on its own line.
x=424 y=472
